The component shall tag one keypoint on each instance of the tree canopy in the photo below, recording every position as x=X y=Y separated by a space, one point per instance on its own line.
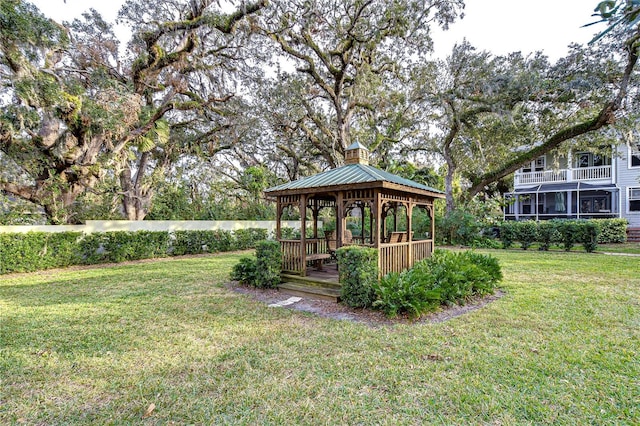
x=78 y=111
x=219 y=100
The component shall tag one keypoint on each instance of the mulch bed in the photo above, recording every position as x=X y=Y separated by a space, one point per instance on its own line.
x=339 y=311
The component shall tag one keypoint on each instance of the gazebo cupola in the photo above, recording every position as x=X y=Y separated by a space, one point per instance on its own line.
x=356 y=153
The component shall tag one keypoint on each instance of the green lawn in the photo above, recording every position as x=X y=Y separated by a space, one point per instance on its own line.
x=100 y=345
x=631 y=248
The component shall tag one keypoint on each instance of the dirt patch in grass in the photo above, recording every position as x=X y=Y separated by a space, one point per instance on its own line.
x=339 y=311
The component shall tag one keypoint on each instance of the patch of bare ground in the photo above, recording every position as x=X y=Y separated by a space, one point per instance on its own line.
x=339 y=311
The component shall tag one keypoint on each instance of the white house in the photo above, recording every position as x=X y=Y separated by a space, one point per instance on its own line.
x=579 y=185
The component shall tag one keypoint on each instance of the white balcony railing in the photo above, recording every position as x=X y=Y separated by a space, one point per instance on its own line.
x=592 y=173
x=564 y=175
x=545 y=176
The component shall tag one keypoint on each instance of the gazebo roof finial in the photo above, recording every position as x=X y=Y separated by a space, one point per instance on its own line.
x=356 y=153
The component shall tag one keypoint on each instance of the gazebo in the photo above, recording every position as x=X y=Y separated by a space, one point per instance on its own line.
x=380 y=201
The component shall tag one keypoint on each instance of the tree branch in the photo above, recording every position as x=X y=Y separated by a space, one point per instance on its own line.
x=605 y=117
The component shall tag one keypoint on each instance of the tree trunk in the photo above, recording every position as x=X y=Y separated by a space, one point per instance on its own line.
x=136 y=199
x=448 y=158
x=448 y=186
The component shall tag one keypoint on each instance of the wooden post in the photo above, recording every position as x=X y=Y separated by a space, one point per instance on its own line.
x=315 y=212
x=377 y=203
x=315 y=218
x=432 y=215
x=382 y=225
x=395 y=218
x=279 y=219
x=370 y=223
x=303 y=232
x=339 y=220
x=362 y=222
x=409 y=209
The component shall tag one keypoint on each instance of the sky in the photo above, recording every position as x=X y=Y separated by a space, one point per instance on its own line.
x=498 y=26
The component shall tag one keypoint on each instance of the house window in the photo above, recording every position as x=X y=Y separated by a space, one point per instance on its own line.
x=537 y=165
x=587 y=159
x=634 y=199
x=583 y=159
x=634 y=155
x=597 y=160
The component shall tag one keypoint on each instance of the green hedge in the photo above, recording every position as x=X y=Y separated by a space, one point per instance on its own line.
x=34 y=251
x=358 y=269
x=566 y=233
x=196 y=242
x=38 y=250
x=612 y=231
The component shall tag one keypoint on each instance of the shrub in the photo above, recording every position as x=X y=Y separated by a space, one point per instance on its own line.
x=221 y=240
x=38 y=250
x=268 y=264
x=121 y=246
x=588 y=232
x=461 y=275
x=486 y=242
x=450 y=276
x=187 y=242
x=567 y=230
x=526 y=232
x=507 y=233
x=358 y=268
x=287 y=233
x=92 y=249
x=195 y=242
x=612 y=230
x=547 y=234
x=458 y=227
x=247 y=238
x=490 y=266
x=396 y=293
x=245 y=270
x=445 y=278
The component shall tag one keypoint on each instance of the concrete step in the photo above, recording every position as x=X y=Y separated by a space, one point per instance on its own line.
x=316 y=292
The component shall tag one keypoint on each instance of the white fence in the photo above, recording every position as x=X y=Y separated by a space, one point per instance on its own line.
x=92 y=226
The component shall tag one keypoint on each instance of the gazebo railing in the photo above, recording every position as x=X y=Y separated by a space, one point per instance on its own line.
x=394 y=257
x=422 y=249
x=292 y=252
x=292 y=256
x=317 y=245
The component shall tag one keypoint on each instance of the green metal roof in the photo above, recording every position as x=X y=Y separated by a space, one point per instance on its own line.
x=356 y=145
x=350 y=174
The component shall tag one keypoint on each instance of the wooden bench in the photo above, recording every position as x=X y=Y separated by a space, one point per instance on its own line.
x=396 y=237
x=317 y=259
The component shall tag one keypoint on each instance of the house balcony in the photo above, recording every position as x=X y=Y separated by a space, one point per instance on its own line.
x=563 y=175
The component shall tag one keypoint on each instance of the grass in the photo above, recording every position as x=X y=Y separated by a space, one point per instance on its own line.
x=101 y=345
x=629 y=248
